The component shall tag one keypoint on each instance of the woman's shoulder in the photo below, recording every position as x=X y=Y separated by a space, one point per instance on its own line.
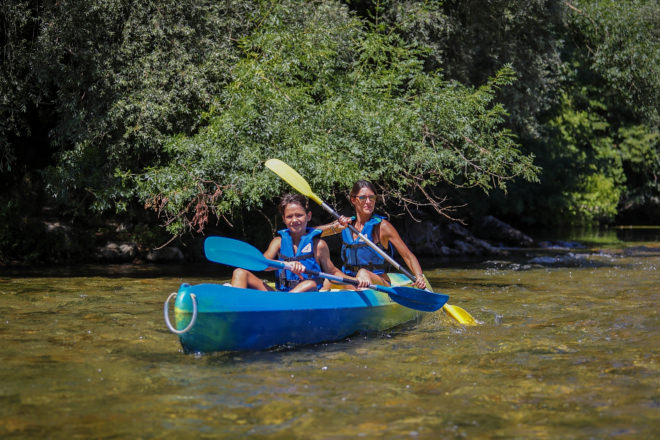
x=387 y=228
x=378 y=217
x=382 y=219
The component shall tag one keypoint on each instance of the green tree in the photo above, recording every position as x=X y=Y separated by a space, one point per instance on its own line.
x=339 y=99
x=110 y=80
x=95 y=86
x=621 y=43
x=619 y=52
x=601 y=125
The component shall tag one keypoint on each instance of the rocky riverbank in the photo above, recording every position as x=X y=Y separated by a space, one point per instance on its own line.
x=490 y=237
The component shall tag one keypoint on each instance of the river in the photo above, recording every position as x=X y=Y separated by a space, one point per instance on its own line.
x=568 y=348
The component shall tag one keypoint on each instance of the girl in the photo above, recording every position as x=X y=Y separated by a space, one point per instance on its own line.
x=299 y=246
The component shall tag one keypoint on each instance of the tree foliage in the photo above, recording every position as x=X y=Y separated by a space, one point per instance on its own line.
x=118 y=77
x=339 y=100
x=622 y=42
x=171 y=107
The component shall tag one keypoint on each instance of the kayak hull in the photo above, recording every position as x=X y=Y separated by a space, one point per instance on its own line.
x=229 y=318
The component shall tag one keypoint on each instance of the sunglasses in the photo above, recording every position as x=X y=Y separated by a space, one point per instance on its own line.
x=362 y=199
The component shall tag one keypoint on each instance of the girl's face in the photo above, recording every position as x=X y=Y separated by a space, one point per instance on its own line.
x=364 y=201
x=295 y=218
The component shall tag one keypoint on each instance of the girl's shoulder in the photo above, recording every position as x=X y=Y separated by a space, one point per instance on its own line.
x=275 y=243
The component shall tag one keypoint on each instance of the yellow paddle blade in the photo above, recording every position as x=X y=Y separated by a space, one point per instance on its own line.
x=460 y=315
x=292 y=177
x=457 y=313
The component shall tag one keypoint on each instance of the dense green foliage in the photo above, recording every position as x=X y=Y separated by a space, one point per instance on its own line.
x=340 y=101
x=599 y=147
x=125 y=108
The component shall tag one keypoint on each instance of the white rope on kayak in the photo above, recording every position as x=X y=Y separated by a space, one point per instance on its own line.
x=167 y=318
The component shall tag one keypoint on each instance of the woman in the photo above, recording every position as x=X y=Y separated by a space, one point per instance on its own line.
x=299 y=246
x=360 y=260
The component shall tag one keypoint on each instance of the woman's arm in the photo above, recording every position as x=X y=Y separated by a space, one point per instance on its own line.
x=335 y=227
x=389 y=234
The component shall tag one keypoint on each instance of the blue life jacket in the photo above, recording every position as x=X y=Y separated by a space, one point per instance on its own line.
x=357 y=254
x=286 y=280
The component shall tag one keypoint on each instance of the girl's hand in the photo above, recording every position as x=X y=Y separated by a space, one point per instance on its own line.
x=295 y=267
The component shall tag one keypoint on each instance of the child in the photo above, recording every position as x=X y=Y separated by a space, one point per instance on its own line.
x=299 y=246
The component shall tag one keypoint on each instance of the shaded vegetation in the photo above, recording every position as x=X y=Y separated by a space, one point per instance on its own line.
x=157 y=116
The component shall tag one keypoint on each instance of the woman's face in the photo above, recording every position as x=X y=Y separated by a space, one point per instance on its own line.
x=295 y=218
x=364 y=201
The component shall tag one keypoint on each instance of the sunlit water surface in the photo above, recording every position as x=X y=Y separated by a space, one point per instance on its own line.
x=568 y=348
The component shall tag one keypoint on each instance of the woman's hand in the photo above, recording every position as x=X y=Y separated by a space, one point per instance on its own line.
x=337 y=226
x=363 y=281
x=343 y=221
x=420 y=283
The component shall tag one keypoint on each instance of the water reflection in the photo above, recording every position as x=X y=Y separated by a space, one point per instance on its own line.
x=568 y=348
x=599 y=236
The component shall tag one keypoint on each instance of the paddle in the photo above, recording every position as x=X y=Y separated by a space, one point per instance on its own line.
x=294 y=179
x=240 y=254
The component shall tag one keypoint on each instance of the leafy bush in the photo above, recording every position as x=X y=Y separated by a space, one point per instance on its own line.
x=339 y=100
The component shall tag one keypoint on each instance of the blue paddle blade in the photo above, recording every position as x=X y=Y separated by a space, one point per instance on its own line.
x=410 y=297
x=415 y=298
x=237 y=253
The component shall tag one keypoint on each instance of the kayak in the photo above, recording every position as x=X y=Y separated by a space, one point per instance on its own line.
x=215 y=317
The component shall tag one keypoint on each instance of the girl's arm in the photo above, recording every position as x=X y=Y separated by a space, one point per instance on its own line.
x=323 y=258
x=273 y=249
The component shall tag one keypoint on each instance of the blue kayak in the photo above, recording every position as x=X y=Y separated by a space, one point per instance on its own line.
x=214 y=317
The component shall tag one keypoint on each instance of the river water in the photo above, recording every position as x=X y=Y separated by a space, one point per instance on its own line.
x=568 y=348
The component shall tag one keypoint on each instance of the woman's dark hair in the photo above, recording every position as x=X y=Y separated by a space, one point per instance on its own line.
x=297 y=199
x=362 y=184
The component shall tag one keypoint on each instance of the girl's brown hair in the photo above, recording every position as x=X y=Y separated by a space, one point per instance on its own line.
x=296 y=199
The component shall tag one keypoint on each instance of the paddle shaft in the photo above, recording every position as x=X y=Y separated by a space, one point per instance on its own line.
x=281 y=265
x=243 y=255
x=406 y=296
x=347 y=280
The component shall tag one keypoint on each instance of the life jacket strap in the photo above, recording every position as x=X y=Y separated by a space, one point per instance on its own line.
x=290 y=284
x=370 y=266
